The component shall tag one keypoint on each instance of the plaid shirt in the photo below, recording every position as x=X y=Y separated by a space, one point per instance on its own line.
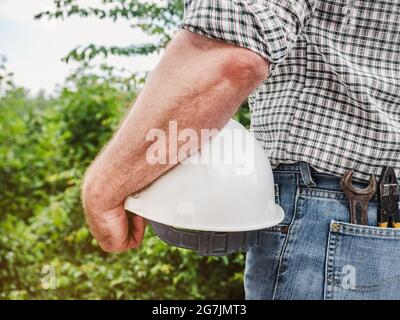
x=333 y=91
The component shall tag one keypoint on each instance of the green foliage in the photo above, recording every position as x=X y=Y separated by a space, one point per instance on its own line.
x=6 y=80
x=28 y=143
x=45 y=146
x=90 y=108
x=46 y=143
x=158 y=19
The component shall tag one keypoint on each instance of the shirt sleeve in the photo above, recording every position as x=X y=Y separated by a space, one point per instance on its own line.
x=267 y=27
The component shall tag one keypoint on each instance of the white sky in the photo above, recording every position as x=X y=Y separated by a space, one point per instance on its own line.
x=34 y=48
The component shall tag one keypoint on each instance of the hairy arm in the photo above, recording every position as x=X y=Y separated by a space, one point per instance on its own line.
x=199 y=83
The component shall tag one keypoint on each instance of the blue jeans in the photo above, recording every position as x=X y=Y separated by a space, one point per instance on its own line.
x=315 y=253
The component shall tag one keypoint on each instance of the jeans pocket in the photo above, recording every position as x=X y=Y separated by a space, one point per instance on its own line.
x=362 y=262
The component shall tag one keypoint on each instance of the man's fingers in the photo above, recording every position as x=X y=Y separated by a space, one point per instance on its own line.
x=138 y=229
x=117 y=231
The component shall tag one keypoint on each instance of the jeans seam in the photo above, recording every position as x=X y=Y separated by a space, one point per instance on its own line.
x=287 y=237
x=329 y=263
x=373 y=287
x=368 y=231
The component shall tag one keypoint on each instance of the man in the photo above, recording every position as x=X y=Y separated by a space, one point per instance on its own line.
x=324 y=79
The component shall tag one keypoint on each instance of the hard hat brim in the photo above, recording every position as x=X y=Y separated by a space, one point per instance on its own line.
x=273 y=216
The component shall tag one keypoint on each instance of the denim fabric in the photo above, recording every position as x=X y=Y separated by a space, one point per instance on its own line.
x=315 y=253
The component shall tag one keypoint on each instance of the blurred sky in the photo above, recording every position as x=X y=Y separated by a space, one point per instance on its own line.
x=34 y=48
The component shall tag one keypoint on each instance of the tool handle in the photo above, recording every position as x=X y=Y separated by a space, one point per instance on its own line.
x=396 y=225
x=359 y=211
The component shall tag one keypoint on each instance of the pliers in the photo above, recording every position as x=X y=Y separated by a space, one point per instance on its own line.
x=388 y=212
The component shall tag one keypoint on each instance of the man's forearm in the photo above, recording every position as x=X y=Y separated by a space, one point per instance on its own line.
x=199 y=83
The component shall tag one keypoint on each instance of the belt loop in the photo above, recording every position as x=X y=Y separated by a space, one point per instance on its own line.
x=306 y=175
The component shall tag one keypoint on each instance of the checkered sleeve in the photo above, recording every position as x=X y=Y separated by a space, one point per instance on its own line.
x=267 y=27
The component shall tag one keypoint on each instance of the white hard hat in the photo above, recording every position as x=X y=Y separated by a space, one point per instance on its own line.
x=220 y=195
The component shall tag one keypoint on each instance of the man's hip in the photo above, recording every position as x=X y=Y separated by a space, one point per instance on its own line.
x=315 y=253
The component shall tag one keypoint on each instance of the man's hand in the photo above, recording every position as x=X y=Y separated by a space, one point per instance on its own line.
x=115 y=230
x=199 y=83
